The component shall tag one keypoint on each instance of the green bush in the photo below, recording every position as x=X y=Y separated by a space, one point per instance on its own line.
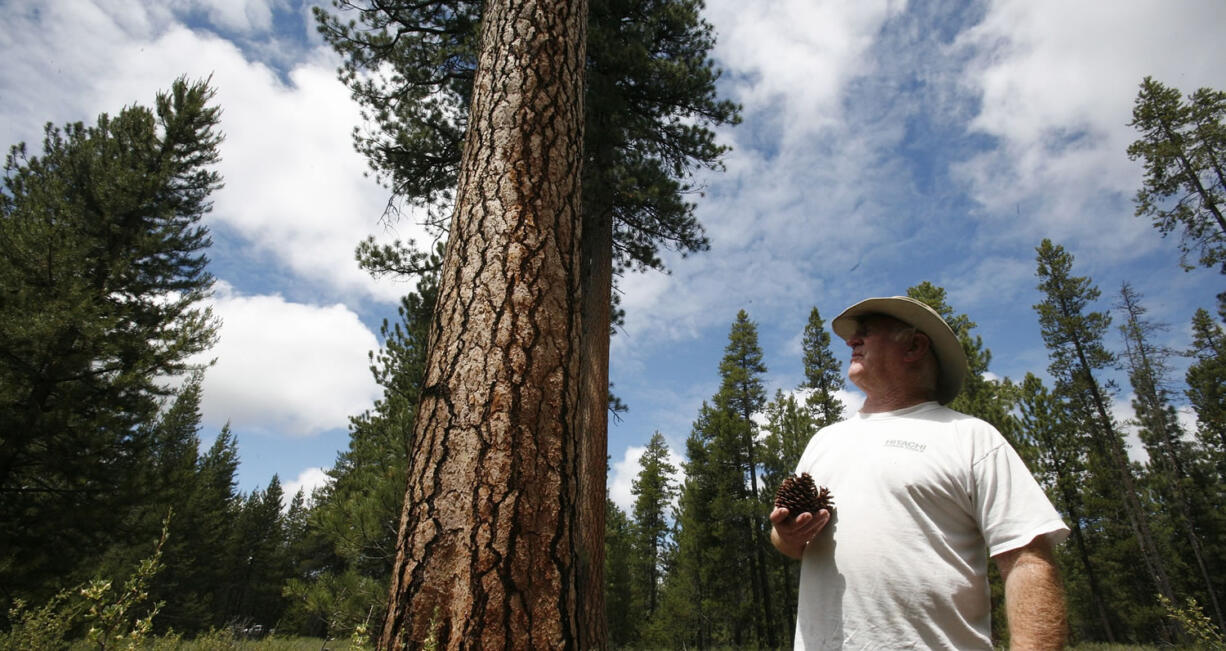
x=1197 y=625
x=110 y=621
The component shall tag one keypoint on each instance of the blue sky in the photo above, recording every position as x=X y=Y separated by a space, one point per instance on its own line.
x=883 y=144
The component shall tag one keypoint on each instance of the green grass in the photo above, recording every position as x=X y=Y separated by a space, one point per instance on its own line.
x=272 y=643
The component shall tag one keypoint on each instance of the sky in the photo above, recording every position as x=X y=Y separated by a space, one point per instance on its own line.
x=883 y=144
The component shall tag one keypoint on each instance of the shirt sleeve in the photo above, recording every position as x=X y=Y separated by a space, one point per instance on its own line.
x=1011 y=507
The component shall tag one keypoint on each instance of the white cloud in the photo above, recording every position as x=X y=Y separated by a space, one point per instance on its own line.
x=307 y=481
x=622 y=477
x=791 y=59
x=852 y=400
x=244 y=16
x=1125 y=420
x=294 y=368
x=1059 y=102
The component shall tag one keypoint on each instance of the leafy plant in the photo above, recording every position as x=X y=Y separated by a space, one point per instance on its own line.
x=109 y=617
x=1195 y=623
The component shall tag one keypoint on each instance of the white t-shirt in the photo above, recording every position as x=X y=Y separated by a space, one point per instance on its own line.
x=923 y=496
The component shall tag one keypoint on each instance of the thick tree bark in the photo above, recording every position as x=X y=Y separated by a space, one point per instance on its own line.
x=490 y=541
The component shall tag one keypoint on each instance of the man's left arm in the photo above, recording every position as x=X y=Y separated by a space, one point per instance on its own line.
x=1034 y=596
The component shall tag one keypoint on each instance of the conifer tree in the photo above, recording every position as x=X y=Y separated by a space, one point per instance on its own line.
x=211 y=517
x=1074 y=338
x=653 y=491
x=176 y=473
x=1183 y=146
x=102 y=261
x=789 y=427
x=823 y=373
x=1206 y=382
x=259 y=561
x=709 y=597
x=1053 y=451
x=498 y=417
x=1171 y=458
x=620 y=610
x=742 y=394
x=720 y=555
x=649 y=104
x=353 y=524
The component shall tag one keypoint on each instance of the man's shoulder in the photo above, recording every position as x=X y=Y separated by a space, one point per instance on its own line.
x=932 y=414
x=963 y=422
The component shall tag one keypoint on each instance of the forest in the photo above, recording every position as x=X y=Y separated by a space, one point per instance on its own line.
x=115 y=522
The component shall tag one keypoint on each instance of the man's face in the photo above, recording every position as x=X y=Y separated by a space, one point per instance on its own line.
x=876 y=352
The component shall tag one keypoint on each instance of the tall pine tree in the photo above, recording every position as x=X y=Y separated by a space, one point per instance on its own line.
x=649 y=104
x=653 y=489
x=823 y=373
x=1171 y=468
x=499 y=414
x=1074 y=337
x=620 y=610
x=1206 y=380
x=741 y=396
x=1183 y=147
x=1051 y=444
x=721 y=539
x=102 y=261
x=708 y=595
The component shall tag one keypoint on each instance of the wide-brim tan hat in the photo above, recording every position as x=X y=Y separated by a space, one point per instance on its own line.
x=951 y=359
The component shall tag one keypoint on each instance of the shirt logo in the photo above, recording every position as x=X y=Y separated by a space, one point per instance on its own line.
x=906 y=445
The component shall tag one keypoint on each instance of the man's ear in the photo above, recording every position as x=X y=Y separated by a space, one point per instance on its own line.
x=920 y=343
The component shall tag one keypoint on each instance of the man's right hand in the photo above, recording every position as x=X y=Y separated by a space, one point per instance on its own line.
x=790 y=535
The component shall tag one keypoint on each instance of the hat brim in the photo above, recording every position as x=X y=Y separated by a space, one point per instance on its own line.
x=951 y=359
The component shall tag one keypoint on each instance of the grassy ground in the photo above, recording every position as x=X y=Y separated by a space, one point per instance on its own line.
x=227 y=643
x=268 y=644
x=1103 y=646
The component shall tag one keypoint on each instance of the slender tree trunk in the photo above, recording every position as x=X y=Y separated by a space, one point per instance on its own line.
x=765 y=616
x=489 y=546
x=597 y=286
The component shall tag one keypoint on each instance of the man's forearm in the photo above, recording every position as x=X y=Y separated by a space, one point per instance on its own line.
x=1034 y=599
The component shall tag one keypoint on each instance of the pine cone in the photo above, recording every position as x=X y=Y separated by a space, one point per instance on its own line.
x=799 y=495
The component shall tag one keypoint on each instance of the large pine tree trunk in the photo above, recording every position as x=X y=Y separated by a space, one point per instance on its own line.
x=488 y=553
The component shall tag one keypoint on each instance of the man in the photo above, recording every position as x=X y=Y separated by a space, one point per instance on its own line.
x=923 y=495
